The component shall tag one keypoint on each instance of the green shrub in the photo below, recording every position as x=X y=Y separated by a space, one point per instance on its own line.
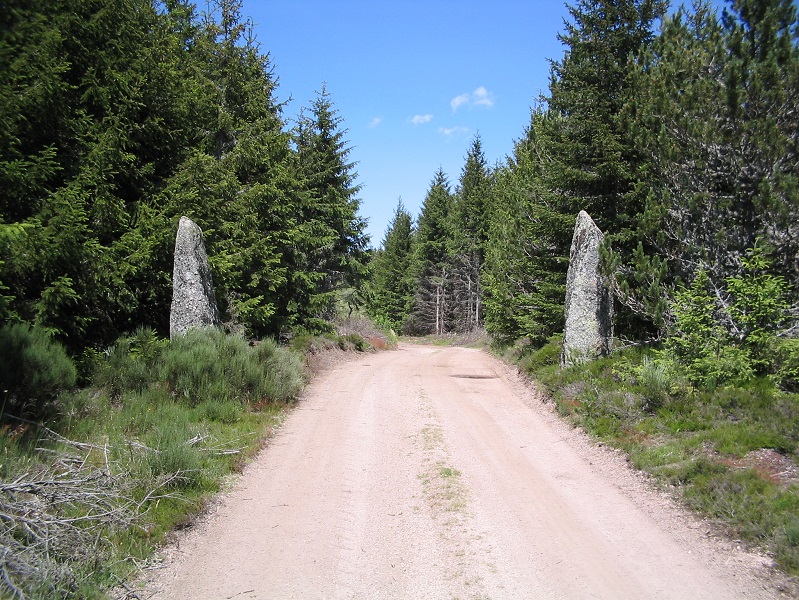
x=191 y=364
x=759 y=307
x=546 y=356
x=33 y=371
x=226 y=411
x=282 y=370
x=357 y=341
x=131 y=364
x=787 y=364
x=207 y=365
x=655 y=378
x=175 y=457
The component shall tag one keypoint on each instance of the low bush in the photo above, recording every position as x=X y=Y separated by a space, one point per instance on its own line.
x=787 y=364
x=34 y=370
x=207 y=365
x=130 y=364
x=162 y=427
x=697 y=439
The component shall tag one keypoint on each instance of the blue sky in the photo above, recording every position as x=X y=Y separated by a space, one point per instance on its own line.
x=414 y=81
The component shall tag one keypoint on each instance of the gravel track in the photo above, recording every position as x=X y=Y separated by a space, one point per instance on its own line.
x=435 y=473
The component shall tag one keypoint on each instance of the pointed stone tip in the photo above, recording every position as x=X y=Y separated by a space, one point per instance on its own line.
x=186 y=222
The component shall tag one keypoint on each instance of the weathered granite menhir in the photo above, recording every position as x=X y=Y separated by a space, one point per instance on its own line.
x=193 y=300
x=588 y=333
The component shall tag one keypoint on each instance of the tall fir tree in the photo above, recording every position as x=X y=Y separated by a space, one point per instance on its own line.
x=469 y=231
x=592 y=162
x=118 y=117
x=432 y=269
x=82 y=155
x=392 y=282
x=525 y=269
x=712 y=115
x=238 y=183
x=336 y=240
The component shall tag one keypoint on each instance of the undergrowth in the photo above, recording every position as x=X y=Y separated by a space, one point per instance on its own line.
x=132 y=456
x=705 y=443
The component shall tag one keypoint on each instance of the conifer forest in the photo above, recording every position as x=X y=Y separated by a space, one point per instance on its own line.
x=675 y=127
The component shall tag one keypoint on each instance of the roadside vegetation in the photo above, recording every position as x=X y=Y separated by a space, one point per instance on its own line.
x=94 y=478
x=729 y=451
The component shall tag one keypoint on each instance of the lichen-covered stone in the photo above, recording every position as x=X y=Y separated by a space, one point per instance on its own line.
x=589 y=303
x=193 y=300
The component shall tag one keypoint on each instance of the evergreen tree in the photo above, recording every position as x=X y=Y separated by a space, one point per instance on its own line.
x=712 y=116
x=432 y=271
x=763 y=91
x=392 y=283
x=335 y=237
x=524 y=277
x=118 y=117
x=82 y=153
x=238 y=181
x=469 y=231
x=592 y=162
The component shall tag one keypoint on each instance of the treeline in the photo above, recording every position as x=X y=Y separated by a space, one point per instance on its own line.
x=681 y=143
x=119 y=116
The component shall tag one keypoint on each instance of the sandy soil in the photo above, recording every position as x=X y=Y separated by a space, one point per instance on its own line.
x=434 y=473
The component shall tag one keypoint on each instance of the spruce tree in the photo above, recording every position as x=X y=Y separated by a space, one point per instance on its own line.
x=392 y=282
x=469 y=231
x=524 y=275
x=334 y=236
x=237 y=182
x=712 y=115
x=591 y=161
x=82 y=153
x=432 y=268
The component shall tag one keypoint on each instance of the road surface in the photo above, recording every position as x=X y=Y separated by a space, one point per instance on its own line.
x=433 y=473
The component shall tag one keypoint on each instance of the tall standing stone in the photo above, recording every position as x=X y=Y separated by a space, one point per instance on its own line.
x=193 y=300
x=589 y=303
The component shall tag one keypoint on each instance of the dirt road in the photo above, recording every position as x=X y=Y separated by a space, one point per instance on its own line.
x=431 y=473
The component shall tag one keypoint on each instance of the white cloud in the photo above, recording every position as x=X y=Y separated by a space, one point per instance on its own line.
x=451 y=131
x=420 y=119
x=479 y=97
x=482 y=97
x=457 y=101
x=375 y=122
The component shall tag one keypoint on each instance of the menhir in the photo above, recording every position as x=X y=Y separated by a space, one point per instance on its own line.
x=193 y=300
x=589 y=302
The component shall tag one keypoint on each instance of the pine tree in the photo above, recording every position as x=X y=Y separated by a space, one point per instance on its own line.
x=432 y=270
x=119 y=118
x=592 y=162
x=469 y=231
x=711 y=114
x=237 y=181
x=524 y=277
x=82 y=153
x=335 y=240
x=762 y=94
x=392 y=283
